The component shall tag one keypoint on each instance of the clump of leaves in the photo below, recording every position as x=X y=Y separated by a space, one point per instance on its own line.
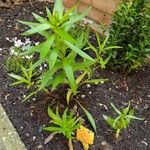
x=26 y=77
x=65 y=124
x=59 y=50
x=123 y=120
x=130 y=29
x=102 y=52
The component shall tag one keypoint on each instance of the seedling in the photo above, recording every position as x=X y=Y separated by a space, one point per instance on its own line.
x=66 y=124
x=123 y=120
x=101 y=56
x=26 y=77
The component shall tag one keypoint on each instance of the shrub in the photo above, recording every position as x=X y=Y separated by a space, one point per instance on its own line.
x=130 y=29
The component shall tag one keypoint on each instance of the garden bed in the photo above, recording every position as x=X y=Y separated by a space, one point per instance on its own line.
x=29 y=117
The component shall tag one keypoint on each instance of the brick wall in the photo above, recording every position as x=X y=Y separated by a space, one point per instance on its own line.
x=101 y=9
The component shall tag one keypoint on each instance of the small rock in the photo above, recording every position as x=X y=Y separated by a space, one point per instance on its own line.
x=34 y=99
x=24 y=96
x=40 y=146
x=90 y=92
x=106 y=146
x=82 y=96
x=34 y=137
x=88 y=85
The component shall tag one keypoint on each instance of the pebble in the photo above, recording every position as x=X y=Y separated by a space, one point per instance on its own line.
x=41 y=68
x=34 y=99
x=82 y=96
x=88 y=85
x=34 y=137
x=24 y=96
x=106 y=146
x=45 y=65
x=1 y=49
x=90 y=92
x=40 y=146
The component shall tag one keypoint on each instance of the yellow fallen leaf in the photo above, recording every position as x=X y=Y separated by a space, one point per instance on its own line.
x=85 y=136
x=86 y=146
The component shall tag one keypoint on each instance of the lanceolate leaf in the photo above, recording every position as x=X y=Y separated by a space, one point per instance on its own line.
x=78 y=51
x=70 y=75
x=115 y=108
x=31 y=24
x=58 y=7
x=75 y=19
x=65 y=36
x=89 y=116
x=45 y=49
x=40 y=19
x=53 y=57
x=57 y=80
x=37 y=29
x=48 y=74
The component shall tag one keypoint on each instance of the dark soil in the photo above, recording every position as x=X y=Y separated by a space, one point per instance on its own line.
x=28 y=118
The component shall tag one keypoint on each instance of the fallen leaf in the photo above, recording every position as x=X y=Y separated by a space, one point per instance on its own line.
x=50 y=137
x=85 y=136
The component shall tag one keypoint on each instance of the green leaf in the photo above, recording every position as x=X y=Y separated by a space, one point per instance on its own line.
x=45 y=49
x=76 y=18
x=40 y=19
x=109 y=120
x=78 y=51
x=89 y=116
x=36 y=64
x=48 y=74
x=126 y=110
x=57 y=80
x=17 y=77
x=70 y=75
x=37 y=29
x=24 y=71
x=53 y=129
x=31 y=24
x=58 y=7
x=53 y=116
x=65 y=36
x=48 y=13
x=115 y=122
x=134 y=117
x=113 y=106
x=80 y=78
x=53 y=57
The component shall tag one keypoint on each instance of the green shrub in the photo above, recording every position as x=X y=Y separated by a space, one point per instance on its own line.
x=130 y=29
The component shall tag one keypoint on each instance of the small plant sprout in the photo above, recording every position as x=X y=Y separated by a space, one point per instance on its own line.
x=66 y=124
x=26 y=77
x=101 y=56
x=123 y=120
